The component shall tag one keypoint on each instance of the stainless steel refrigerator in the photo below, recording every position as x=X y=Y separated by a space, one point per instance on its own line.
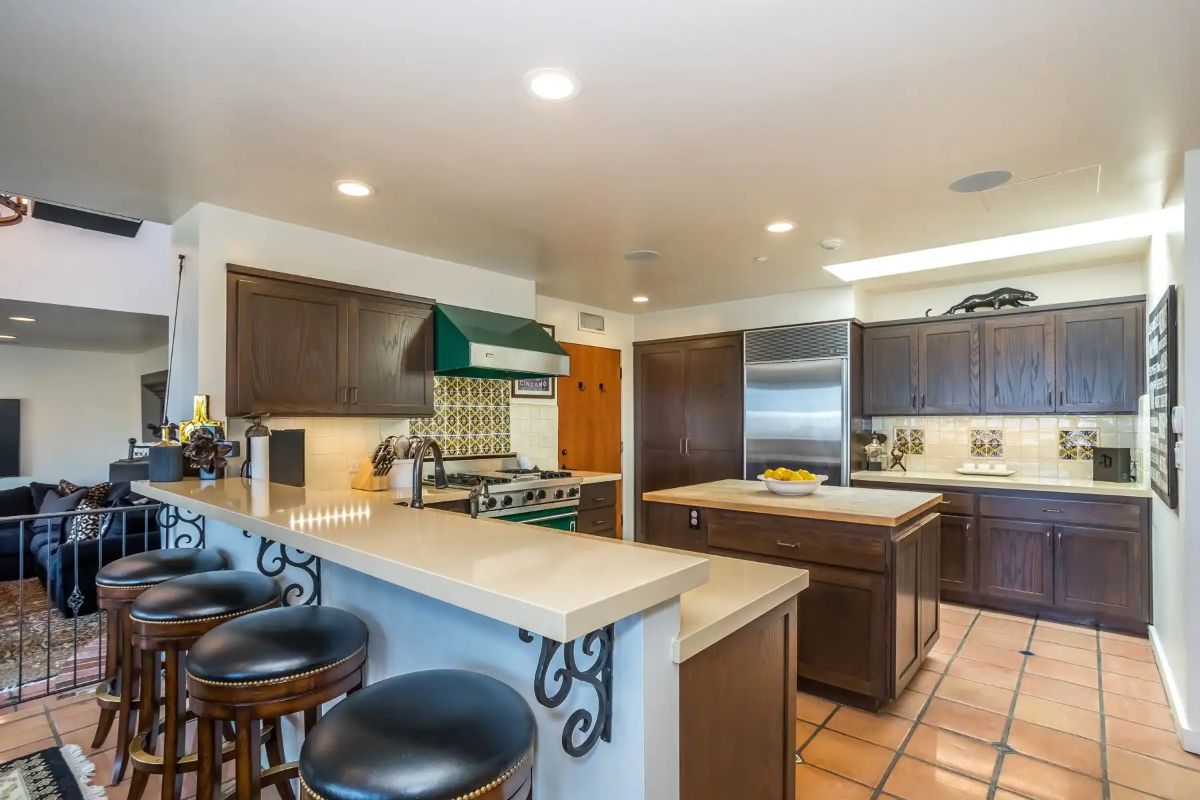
x=799 y=384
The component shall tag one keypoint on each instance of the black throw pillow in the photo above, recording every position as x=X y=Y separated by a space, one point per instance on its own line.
x=16 y=502
x=54 y=503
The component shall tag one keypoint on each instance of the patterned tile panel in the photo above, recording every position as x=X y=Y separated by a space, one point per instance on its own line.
x=987 y=443
x=1078 y=444
x=911 y=441
x=471 y=416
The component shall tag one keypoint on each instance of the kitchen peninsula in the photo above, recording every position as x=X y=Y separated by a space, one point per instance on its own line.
x=870 y=614
x=681 y=683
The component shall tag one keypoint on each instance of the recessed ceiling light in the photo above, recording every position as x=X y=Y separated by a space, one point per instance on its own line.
x=1117 y=229
x=831 y=244
x=23 y=319
x=981 y=181
x=353 y=188
x=551 y=83
x=780 y=226
x=7 y=336
x=642 y=255
x=760 y=259
x=641 y=298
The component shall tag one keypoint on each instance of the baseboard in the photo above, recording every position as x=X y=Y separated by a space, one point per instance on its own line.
x=1189 y=736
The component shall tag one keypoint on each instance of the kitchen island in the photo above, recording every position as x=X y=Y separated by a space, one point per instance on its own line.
x=671 y=650
x=871 y=612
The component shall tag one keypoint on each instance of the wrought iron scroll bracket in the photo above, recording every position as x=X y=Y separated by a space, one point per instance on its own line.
x=552 y=689
x=273 y=561
x=172 y=520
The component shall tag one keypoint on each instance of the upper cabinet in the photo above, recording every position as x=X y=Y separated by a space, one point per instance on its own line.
x=948 y=368
x=1100 y=356
x=301 y=346
x=890 y=370
x=1084 y=360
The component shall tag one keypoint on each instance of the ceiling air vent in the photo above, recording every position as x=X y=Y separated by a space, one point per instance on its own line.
x=592 y=323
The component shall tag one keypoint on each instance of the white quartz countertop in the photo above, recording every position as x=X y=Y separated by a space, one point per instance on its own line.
x=1065 y=485
x=556 y=584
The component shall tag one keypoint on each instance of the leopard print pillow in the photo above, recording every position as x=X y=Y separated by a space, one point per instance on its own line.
x=87 y=526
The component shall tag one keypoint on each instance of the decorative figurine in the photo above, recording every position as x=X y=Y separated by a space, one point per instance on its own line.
x=897 y=459
x=200 y=419
x=166 y=458
x=207 y=454
x=994 y=300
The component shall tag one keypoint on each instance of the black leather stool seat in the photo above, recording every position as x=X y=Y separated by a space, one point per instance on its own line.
x=206 y=596
x=276 y=645
x=156 y=566
x=436 y=735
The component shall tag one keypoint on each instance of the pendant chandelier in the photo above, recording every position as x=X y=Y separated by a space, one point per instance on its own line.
x=13 y=209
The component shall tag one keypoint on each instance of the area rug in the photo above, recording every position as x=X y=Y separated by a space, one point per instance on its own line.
x=51 y=774
x=23 y=603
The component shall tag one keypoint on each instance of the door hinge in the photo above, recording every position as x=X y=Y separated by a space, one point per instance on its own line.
x=620 y=372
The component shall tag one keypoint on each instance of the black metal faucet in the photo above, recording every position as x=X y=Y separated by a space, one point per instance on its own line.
x=439 y=469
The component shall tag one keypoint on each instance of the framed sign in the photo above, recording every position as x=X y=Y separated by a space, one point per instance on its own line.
x=1162 y=378
x=543 y=388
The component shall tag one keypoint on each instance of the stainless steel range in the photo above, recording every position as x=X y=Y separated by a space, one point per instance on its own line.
x=547 y=498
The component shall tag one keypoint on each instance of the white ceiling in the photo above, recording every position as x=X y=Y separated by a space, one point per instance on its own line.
x=698 y=121
x=76 y=328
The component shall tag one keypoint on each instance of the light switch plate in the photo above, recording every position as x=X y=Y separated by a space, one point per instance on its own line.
x=1177 y=420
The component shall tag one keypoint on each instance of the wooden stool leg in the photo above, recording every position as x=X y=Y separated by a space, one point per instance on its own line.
x=113 y=645
x=311 y=717
x=126 y=717
x=276 y=757
x=248 y=745
x=176 y=728
x=208 y=759
x=146 y=729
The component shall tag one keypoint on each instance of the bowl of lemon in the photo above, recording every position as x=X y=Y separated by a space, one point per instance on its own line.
x=792 y=481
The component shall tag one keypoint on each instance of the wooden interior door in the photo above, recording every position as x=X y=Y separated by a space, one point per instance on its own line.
x=659 y=408
x=589 y=412
x=712 y=443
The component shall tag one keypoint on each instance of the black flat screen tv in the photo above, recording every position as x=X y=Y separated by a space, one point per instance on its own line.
x=10 y=438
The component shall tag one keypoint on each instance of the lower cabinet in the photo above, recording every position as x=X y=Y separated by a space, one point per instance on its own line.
x=1098 y=571
x=843 y=624
x=1016 y=560
x=958 y=555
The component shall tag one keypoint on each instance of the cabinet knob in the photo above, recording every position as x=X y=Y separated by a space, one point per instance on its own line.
x=1052 y=510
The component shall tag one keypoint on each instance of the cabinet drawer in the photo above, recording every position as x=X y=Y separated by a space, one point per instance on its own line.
x=953 y=502
x=597 y=520
x=597 y=495
x=793 y=538
x=1053 y=510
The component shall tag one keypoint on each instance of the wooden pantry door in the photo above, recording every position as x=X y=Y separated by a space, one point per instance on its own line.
x=589 y=412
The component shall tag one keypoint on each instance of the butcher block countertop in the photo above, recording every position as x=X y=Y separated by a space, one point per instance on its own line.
x=859 y=506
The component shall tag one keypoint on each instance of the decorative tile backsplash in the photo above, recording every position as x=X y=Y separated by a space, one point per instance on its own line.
x=987 y=443
x=472 y=416
x=1043 y=446
x=1077 y=445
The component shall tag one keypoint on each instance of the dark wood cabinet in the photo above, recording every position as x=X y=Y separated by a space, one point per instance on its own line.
x=1016 y=560
x=843 y=640
x=1099 y=359
x=948 y=368
x=598 y=509
x=1018 y=364
x=688 y=414
x=308 y=347
x=1098 y=571
x=958 y=556
x=889 y=365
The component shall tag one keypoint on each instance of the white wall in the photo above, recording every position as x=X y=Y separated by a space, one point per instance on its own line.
x=1063 y=286
x=619 y=335
x=77 y=409
x=45 y=262
x=757 y=312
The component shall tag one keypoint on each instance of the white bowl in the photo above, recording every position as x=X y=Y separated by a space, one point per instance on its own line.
x=793 y=487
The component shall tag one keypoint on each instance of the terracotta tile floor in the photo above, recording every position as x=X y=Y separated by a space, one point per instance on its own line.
x=1082 y=716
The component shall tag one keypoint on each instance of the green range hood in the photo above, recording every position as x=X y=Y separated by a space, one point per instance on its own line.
x=482 y=344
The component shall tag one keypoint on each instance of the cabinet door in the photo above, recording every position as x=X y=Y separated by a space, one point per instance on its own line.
x=1016 y=560
x=890 y=370
x=1099 y=571
x=290 y=349
x=1099 y=358
x=842 y=633
x=958 y=554
x=713 y=388
x=391 y=357
x=659 y=391
x=1018 y=364
x=948 y=368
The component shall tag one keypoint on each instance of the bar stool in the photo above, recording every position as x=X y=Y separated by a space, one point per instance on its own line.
x=437 y=735
x=264 y=666
x=168 y=619
x=117 y=585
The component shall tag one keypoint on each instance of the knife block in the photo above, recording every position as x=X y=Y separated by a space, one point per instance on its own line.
x=366 y=479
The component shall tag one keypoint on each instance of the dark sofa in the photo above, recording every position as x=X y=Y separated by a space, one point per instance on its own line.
x=55 y=564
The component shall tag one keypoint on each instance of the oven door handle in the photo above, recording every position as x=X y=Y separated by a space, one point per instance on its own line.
x=570 y=514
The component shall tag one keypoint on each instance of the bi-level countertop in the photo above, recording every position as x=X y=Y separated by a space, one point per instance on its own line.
x=560 y=585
